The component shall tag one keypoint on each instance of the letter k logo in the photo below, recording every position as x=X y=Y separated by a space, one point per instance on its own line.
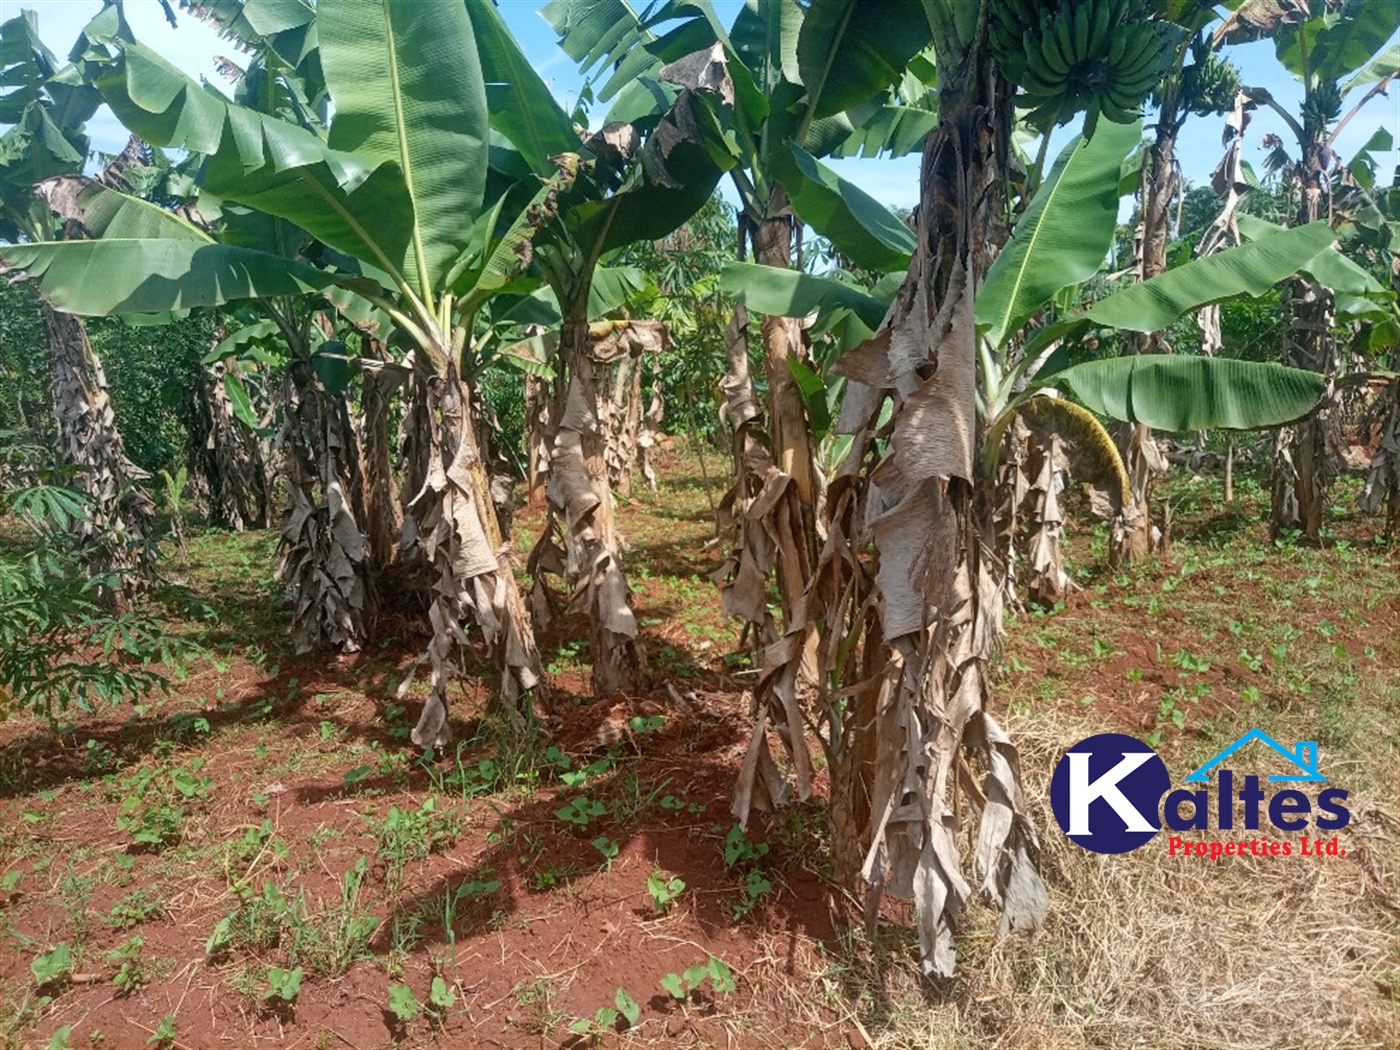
x=1083 y=791
x=1122 y=773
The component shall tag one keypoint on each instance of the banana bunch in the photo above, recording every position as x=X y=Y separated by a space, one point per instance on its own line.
x=1322 y=106
x=1209 y=84
x=1092 y=56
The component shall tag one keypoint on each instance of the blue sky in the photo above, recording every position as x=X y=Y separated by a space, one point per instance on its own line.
x=894 y=181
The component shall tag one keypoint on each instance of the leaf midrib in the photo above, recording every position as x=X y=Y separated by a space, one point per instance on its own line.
x=419 y=258
x=1024 y=266
x=510 y=53
x=815 y=99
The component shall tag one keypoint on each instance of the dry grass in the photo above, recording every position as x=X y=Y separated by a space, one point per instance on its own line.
x=1146 y=950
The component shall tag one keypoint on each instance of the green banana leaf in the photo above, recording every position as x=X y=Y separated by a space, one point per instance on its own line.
x=1176 y=392
x=1366 y=163
x=1381 y=65
x=1328 y=47
x=611 y=287
x=1249 y=269
x=850 y=52
x=250 y=333
x=792 y=293
x=1064 y=235
x=495 y=261
x=106 y=212
x=354 y=204
x=1329 y=267
x=285 y=27
x=264 y=162
x=520 y=103
x=99 y=278
x=158 y=102
x=887 y=131
x=239 y=400
x=812 y=388
x=46 y=118
x=765 y=39
x=407 y=86
x=597 y=34
x=860 y=227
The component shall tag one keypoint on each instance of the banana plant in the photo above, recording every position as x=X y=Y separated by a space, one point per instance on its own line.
x=796 y=82
x=623 y=191
x=634 y=179
x=1205 y=85
x=47 y=108
x=935 y=484
x=230 y=442
x=1341 y=55
x=390 y=205
x=327 y=569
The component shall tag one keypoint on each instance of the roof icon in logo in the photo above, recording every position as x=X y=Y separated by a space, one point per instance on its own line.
x=1303 y=756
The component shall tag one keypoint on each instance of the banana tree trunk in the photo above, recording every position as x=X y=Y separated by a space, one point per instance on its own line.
x=323 y=565
x=790 y=440
x=117 y=537
x=752 y=547
x=1303 y=453
x=1133 y=535
x=760 y=522
x=229 y=458
x=539 y=415
x=379 y=492
x=1047 y=580
x=1383 y=479
x=452 y=522
x=580 y=497
x=768 y=518
x=942 y=570
x=617 y=349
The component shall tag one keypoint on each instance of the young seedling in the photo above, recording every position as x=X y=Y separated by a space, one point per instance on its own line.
x=403 y=1003
x=646 y=723
x=664 y=891
x=605 y=1017
x=756 y=885
x=283 y=984
x=52 y=966
x=440 y=997
x=608 y=848
x=580 y=811
x=134 y=908
x=130 y=975
x=578 y=777
x=739 y=852
x=189 y=782
x=164 y=1035
x=680 y=805
x=681 y=985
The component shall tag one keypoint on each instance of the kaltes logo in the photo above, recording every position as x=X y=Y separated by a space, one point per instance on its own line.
x=1107 y=794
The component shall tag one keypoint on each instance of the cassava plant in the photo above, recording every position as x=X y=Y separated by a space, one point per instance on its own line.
x=391 y=204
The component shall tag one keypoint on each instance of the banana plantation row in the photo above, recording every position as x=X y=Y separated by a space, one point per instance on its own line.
x=391 y=212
